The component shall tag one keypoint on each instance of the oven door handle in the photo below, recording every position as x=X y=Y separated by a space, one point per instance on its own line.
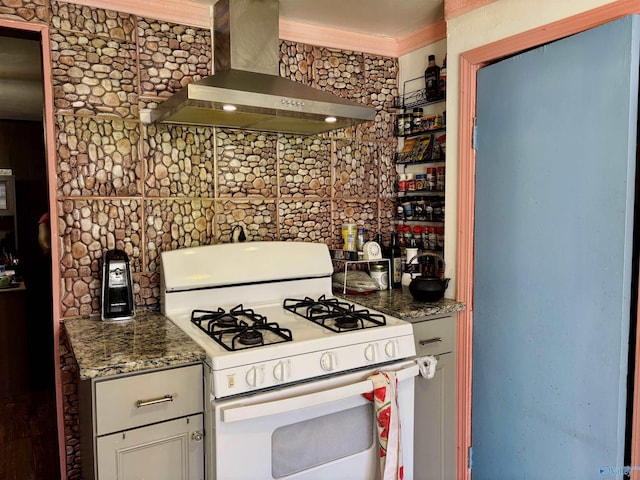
x=239 y=413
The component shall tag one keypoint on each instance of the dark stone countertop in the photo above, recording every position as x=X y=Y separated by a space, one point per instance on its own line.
x=148 y=341
x=400 y=304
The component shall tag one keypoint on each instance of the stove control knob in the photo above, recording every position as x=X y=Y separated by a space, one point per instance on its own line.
x=371 y=352
x=254 y=376
x=328 y=361
x=391 y=349
x=281 y=370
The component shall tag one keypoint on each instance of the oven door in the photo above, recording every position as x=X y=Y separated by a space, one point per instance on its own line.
x=317 y=430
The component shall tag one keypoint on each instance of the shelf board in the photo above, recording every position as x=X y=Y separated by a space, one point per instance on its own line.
x=421 y=193
x=417 y=98
x=422 y=133
x=429 y=223
x=441 y=162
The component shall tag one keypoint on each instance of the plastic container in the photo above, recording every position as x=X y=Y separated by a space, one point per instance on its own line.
x=349 y=236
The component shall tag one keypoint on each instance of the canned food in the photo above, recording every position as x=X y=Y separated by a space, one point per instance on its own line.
x=411 y=182
x=402 y=182
x=421 y=181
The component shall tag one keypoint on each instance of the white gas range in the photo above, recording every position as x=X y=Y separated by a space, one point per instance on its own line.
x=283 y=354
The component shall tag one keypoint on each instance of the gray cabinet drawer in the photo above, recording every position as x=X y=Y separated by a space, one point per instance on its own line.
x=435 y=336
x=142 y=399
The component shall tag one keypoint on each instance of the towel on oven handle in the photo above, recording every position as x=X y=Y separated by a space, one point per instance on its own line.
x=427 y=366
x=385 y=399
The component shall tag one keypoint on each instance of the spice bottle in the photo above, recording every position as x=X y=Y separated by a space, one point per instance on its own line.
x=416 y=120
x=432 y=79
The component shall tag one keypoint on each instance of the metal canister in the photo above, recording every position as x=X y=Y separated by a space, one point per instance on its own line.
x=380 y=274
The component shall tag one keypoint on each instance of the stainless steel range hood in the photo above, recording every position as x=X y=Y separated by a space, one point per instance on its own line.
x=246 y=78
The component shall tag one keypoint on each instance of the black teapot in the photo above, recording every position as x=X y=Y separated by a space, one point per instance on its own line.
x=427 y=287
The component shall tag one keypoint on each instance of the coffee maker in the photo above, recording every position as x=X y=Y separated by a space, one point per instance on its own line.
x=117 y=287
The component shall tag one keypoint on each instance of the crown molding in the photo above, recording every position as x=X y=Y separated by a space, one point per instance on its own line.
x=430 y=34
x=197 y=13
x=336 y=38
x=362 y=42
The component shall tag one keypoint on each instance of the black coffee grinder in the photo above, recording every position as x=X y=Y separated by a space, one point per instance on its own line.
x=117 y=287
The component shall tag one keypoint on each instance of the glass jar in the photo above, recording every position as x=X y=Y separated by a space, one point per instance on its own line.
x=379 y=272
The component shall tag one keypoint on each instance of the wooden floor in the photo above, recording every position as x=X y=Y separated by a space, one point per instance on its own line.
x=28 y=437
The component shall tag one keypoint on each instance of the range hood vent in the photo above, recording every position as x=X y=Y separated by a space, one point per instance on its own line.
x=246 y=91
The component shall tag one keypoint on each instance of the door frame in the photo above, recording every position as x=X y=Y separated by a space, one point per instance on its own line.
x=470 y=62
x=50 y=149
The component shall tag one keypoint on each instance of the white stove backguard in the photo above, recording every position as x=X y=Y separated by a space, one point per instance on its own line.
x=240 y=263
x=251 y=295
x=249 y=273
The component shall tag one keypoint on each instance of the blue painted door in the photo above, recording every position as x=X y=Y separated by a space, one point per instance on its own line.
x=555 y=176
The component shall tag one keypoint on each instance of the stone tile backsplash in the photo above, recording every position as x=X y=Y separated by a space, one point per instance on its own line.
x=93 y=75
x=247 y=164
x=171 y=56
x=151 y=188
x=98 y=157
x=179 y=161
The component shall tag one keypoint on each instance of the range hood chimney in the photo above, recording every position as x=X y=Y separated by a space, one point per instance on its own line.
x=246 y=90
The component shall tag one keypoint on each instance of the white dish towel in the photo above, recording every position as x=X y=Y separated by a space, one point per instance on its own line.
x=427 y=366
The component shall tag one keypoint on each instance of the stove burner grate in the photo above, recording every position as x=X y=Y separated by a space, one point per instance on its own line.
x=333 y=314
x=232 y=331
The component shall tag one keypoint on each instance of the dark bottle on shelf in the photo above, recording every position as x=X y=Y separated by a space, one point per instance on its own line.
x=443 y=78
x=383 y=248
x=395 y=255
x=432 y=80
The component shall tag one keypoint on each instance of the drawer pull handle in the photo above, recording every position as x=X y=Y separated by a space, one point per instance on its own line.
x=430 y=340
x=154 y=401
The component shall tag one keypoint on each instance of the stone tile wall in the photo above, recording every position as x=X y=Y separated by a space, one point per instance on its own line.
x=150 y=188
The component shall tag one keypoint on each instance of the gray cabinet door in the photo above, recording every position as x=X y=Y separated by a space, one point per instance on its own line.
x=555 y=181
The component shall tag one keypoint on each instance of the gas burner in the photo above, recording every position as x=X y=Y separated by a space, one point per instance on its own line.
x=250 y=336
x=333 y=314
x=347 y=322
x=218 y=318
x=239 y=328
